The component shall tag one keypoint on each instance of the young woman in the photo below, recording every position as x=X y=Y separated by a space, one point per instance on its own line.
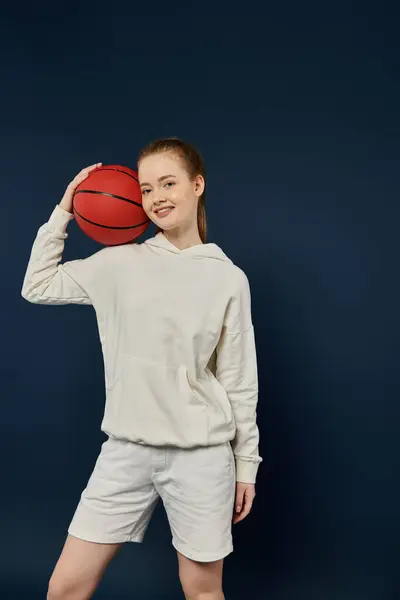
x=175 y=325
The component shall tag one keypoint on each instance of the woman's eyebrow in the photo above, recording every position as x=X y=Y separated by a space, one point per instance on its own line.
x=159 y=179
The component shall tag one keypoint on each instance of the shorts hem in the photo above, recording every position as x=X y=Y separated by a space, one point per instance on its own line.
x=105 y=539
x=203 y=556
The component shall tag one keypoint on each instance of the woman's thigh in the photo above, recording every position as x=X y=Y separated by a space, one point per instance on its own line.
x=80 y=567
x=200 y=577
x=197 y=486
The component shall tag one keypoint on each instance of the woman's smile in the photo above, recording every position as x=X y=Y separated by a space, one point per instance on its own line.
x=163 y=212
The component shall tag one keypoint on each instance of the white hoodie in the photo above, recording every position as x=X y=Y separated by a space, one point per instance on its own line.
x=176 y=333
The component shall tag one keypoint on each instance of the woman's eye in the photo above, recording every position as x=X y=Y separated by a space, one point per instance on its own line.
x=168 y=183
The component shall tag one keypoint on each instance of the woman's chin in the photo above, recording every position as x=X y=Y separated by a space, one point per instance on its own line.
x=166 y=223
x=163 y=223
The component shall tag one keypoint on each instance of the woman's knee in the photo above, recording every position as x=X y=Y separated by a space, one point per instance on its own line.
x=66 y=589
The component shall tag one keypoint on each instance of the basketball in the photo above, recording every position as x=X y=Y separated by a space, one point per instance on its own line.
x=107 y=205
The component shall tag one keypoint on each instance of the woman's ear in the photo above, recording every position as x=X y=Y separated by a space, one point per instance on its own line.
x=199 y=185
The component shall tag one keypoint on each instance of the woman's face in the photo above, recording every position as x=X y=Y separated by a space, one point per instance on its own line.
x=166 y=184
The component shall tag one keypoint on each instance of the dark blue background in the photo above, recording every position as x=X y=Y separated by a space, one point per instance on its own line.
x=296 y=112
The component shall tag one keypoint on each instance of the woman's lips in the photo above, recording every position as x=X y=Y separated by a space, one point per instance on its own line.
x=164 y=213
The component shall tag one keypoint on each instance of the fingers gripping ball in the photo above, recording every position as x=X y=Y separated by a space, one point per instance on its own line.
x=108 y=207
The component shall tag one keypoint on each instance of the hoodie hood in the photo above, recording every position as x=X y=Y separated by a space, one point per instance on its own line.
x=161 y=244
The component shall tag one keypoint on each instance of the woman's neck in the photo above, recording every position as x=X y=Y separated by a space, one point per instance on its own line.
x=183 y=239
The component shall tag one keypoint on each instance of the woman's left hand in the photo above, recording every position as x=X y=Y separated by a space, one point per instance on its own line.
x=245 y=493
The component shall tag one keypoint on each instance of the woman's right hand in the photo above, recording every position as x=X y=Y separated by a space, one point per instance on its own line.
x=67 y=200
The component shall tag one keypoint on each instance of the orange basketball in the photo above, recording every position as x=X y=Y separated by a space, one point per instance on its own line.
x=108 y=207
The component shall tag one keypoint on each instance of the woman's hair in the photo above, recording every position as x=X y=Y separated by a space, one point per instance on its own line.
x=192 y=161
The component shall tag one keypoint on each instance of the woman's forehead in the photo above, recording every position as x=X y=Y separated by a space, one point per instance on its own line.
x=158 y=165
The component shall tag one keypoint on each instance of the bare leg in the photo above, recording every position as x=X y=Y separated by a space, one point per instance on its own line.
x=201 y=580
x=79 y=569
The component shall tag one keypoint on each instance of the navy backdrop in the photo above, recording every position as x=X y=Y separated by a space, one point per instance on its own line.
x=296 y=114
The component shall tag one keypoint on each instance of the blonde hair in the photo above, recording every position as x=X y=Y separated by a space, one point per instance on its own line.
x=192 y=163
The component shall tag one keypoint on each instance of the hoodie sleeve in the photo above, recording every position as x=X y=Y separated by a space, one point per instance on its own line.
x=48 y=282
x=236 y=370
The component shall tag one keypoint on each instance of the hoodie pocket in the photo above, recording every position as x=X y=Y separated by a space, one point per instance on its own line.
x=157 y=405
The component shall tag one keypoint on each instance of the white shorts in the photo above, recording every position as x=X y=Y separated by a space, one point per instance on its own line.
x=197 y=487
